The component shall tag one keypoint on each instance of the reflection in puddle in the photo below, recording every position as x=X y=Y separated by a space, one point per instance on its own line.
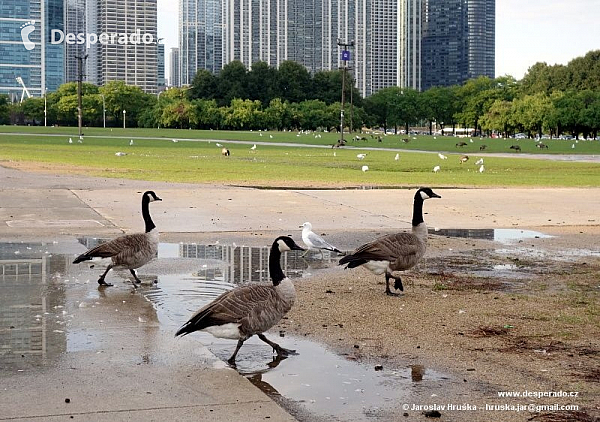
x=498 y=235
x=328 y=385
x=38 y=308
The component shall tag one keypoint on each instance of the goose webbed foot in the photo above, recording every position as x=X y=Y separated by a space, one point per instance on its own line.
x=281 y=351
x=390 y=293
x=398 y=284
x=135 y=278
x=103 y=283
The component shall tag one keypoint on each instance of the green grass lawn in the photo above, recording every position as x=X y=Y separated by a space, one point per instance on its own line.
x=270 y=165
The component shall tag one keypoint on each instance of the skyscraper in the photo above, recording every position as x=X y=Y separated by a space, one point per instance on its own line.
x=200 y=37
x=135 y=63
x=75 y=22
x=174 y=72
x=458 y=41
x=25 y=49
x=161 y=67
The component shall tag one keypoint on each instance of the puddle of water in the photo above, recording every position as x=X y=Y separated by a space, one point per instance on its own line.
x=37 y=307
x=327 y=385
x=498 y=235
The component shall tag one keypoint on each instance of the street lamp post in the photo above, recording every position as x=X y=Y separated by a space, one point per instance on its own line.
x=124 y=118
x=45 y=107
x=103 y=111
x=345 y=58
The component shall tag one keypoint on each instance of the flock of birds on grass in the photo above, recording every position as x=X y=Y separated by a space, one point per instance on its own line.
x=249 y=310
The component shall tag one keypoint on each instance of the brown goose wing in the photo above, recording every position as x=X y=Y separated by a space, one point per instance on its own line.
x=386 y=248
x=231 y=307
x=127 y=244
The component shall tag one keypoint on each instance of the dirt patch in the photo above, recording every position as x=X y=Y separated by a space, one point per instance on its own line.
x=534 y=327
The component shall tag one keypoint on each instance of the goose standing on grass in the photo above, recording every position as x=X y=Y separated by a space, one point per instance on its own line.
x=314 y=241
x=130 y=251
x=395 y=252
x=252 y=309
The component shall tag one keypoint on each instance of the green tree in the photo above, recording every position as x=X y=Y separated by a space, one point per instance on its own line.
x=294 y=82
x=4 y=109
x=262 y=83
x=204 y=85
x=120 y=96
x=232 y=83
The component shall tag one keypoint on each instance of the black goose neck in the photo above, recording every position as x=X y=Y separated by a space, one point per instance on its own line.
x=417 y=210
x=146 y=214
x=274 y=266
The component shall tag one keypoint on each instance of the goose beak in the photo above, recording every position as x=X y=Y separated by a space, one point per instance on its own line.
x=435 y=195
x=297 y=247
x=158 y=199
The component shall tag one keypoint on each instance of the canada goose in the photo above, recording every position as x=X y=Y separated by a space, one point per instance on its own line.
x=130 y=251
x=482 y=147
x=464 y=159
x=515 y=147
x=541 y=145
x=461 y=144
x=314 y=241
x=395 y=252
x=225 y=152
x=248 y=310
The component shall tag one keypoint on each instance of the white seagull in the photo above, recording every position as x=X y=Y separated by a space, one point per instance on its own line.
x=436 y=169
x=70 y=140
x=480 y=161
x=365 y=168
x=219 y=145
x=253 y=147
x=131 y=142
x=361 y=156
x=397 y=157
x=314 y=241
x=442 y=156
x=481 y=169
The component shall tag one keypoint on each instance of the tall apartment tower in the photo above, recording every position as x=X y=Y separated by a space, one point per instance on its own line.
x=458 y=41
x=174 y=70
x=75 y=22
x=200 y=37
x=25 y=48
x=133 y=63
x=160 y=81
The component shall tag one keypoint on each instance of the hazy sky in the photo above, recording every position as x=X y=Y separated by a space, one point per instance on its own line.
x=527 y=32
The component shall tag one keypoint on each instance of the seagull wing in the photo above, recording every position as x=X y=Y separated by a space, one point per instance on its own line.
x=320 y=243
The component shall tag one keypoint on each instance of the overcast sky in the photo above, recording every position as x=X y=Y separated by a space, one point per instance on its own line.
x=527 y=32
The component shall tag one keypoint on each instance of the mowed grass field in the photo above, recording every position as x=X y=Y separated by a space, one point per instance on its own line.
x=154 y=156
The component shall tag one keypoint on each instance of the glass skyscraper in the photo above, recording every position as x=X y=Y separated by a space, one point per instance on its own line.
x=25 y=49
x=458 y=41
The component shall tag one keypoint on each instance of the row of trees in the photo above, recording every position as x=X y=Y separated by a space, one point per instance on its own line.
x=552 y=99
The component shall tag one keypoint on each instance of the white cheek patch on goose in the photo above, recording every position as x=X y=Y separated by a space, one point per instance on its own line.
x=283 y=246
x=424 y=195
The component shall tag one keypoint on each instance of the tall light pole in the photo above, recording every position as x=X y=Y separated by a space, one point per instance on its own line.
x=345 y=58
x=45 y=107
x=124 y=118
x=80 y=60
x=103 y=111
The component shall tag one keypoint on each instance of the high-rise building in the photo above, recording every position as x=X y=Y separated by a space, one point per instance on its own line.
x=200 y=37
x=174 y=73
x=75 y=22
x=25 y=48
x=458 y=41
x=161 y=66
x=135 y=63
x=409 y=33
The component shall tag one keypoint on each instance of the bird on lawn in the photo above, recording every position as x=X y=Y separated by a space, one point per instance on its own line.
x=240 y=313
x=397 y=157
x=395 y=252
x=442 y=156
x=361 y=156
x=130 y=251
x=365 y=168
x=253 y=147
x=314 y=241
x=436 y=169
